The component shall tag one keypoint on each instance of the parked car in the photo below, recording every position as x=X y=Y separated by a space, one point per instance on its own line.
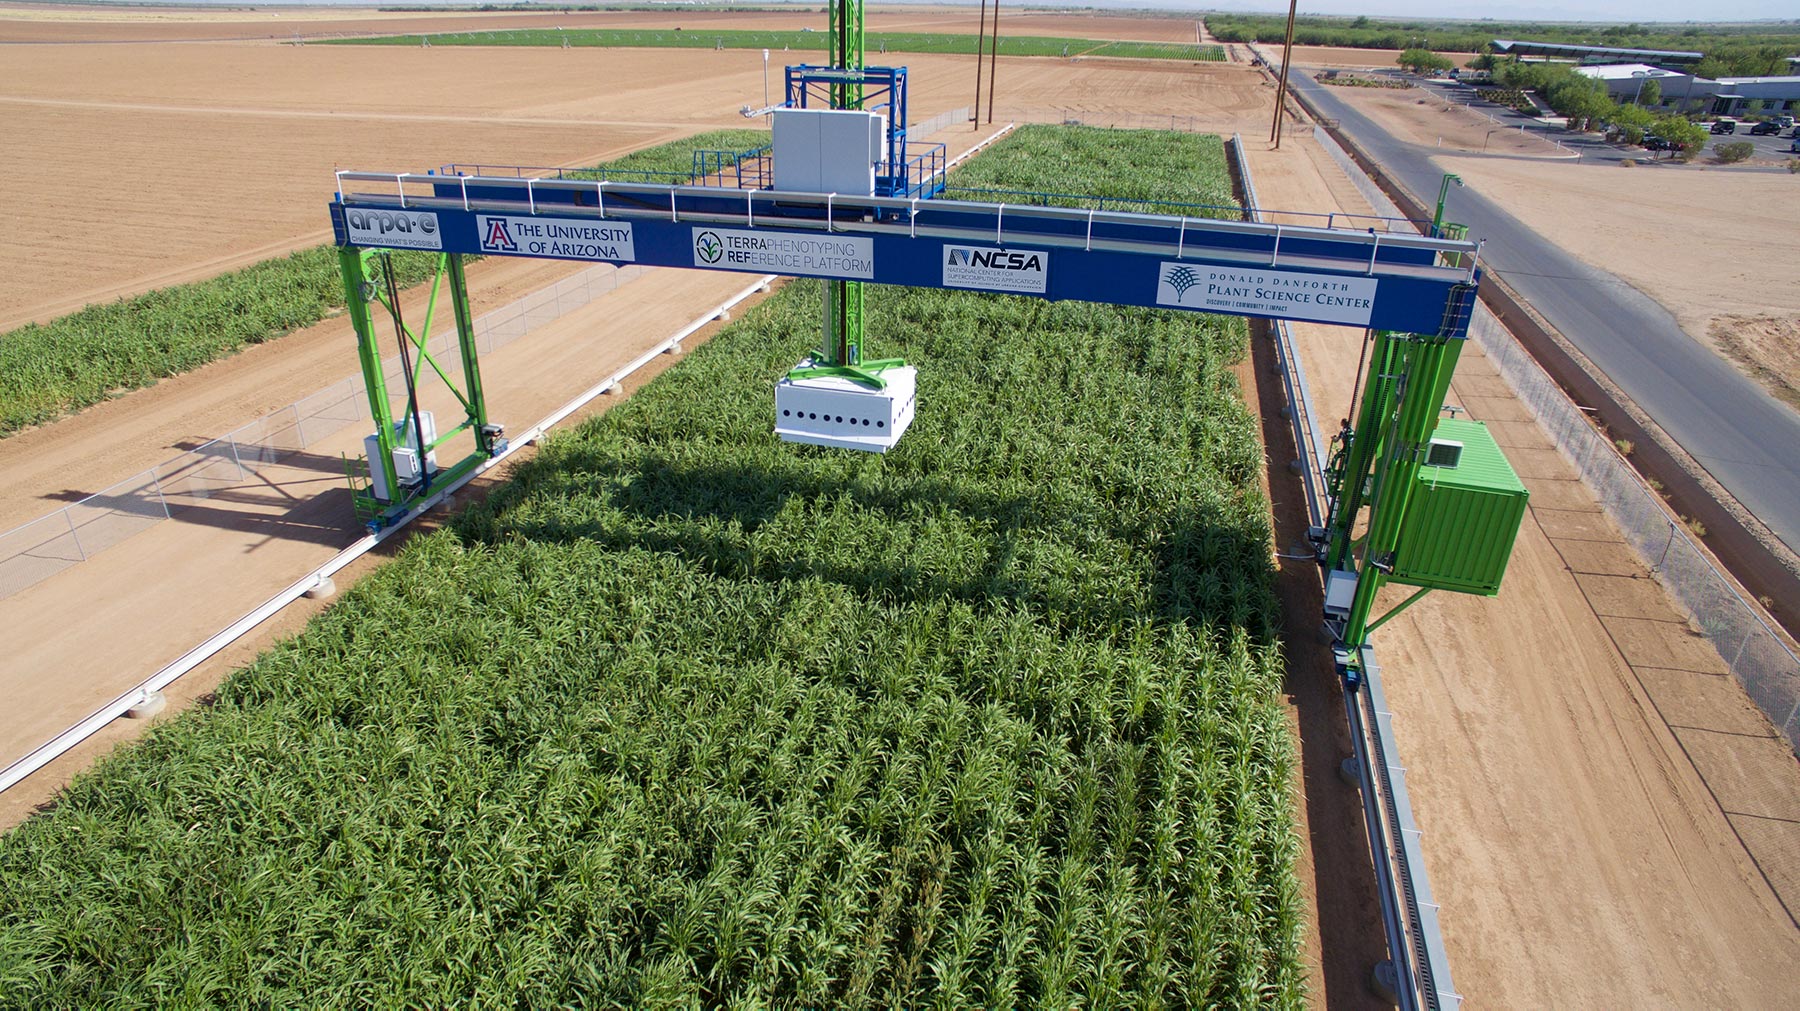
x=1654 y=143
x=1765 y=129
x=1794 y=148
x=1724 y=126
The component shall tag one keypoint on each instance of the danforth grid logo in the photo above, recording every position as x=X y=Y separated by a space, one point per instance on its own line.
x=708 y=247
x=1181 y=279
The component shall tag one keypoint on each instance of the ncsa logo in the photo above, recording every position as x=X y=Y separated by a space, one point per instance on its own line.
x=709 y=247
x=994 y=259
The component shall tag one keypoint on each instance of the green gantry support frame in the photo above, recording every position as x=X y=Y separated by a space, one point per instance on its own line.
x=369 y=282
x=1409 y=376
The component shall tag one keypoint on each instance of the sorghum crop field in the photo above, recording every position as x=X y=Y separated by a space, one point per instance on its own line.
x=687 y=716
x=50 y=369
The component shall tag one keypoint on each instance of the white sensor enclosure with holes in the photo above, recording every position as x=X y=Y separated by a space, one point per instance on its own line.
x=828 y=411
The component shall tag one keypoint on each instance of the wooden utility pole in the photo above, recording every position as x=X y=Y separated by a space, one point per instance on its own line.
x=994 y=62
x=1287 y=60
x=980 y=40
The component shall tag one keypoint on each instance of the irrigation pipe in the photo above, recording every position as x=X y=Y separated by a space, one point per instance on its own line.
x=47 y=752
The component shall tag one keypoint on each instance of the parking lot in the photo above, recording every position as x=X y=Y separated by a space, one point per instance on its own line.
x=1590 y=146
x=1766 y=146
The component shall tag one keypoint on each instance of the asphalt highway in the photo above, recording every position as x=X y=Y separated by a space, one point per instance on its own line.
x=1747 y=440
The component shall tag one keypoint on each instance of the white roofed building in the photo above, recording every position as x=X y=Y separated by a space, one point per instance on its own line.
x=1728 y=96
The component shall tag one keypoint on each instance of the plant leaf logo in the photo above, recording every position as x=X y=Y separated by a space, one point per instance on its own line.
x=708 y=247
x=1181 y=279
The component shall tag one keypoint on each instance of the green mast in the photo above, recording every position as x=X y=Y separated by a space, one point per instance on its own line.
x=841 y=343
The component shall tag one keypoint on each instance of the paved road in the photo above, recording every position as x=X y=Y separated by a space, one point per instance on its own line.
x=1746 y=439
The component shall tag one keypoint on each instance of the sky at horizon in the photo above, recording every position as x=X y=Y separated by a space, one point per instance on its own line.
x=1620 y=11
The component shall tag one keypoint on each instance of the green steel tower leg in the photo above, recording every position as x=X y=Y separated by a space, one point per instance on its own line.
x=359 y=290
x=1428 y=365
x=841 y=343
x=465 y=338
x=365 y=287
x=1385 y=365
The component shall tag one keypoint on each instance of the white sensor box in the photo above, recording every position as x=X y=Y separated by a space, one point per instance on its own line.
x=828 y=150
x=829 y=411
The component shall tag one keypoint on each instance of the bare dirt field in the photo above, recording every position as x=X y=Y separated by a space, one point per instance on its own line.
x=1415 y=115
x=246 y=166
x=1606 y=821
x=1645 y=225
x=1339 y=56
x=49 y=23
x=1564 y=743
x=1712 y=270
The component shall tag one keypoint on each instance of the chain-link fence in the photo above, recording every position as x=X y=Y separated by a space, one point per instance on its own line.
x=941 y=121
x=31 y=553
x=1753 y=651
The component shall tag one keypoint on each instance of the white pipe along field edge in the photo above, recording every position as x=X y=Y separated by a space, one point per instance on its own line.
x=144 y=693
x=47 y=752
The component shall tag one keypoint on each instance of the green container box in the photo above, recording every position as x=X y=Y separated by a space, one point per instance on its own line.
x=1459 y=531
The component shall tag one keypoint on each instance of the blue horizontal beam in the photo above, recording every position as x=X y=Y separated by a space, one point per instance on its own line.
x=1305 y=275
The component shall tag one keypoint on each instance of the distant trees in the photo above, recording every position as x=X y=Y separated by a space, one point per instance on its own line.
x=1687 y=138
x=1423 y=61
x=1732 y=50
x=1650 y=94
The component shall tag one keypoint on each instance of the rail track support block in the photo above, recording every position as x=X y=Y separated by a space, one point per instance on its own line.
x=148 y=706
x=324 y=589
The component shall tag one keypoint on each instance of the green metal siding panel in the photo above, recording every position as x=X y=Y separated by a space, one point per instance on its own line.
x=1482 y=467
x=1459 y=532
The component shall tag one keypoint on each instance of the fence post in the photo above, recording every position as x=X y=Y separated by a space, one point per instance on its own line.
x=242 y=473
x=70 y=520
x=1745 y=644
x=157 y=481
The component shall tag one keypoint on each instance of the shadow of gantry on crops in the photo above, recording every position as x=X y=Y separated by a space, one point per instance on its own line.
x=708 y=515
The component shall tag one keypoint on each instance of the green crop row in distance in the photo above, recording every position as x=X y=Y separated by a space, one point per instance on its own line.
x=802 y=41
x=48 y=370
x=686 y=716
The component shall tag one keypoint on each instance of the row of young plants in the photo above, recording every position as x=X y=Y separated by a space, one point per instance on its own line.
x=686 y=716
x=1081 y=167
x=799 y=40
x=50 y=369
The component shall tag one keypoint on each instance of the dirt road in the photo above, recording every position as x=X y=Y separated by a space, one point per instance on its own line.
x=1585 y=779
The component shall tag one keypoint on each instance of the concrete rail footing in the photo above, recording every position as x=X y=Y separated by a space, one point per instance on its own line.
x=151 y=704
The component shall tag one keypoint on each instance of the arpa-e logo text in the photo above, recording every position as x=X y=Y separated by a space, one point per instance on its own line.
x=393 y=229
x=993 y=269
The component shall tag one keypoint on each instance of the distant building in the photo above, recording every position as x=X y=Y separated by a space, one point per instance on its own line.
x=1727 y=96
x=1564 y=53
